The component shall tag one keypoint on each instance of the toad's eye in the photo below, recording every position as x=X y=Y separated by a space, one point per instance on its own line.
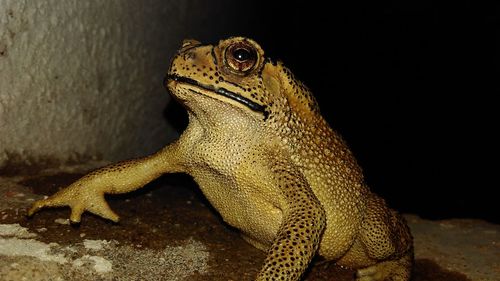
x=241 y=57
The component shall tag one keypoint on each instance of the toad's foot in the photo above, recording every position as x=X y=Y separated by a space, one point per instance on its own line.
x=391 y=270
x=80 y=196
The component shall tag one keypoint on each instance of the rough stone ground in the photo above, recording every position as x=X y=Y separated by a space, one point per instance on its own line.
x=169 y=232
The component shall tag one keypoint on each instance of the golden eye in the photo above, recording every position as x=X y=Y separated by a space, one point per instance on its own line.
x=241 y=57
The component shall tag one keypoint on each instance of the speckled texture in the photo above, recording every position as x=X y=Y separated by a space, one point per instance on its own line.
x=268 y=162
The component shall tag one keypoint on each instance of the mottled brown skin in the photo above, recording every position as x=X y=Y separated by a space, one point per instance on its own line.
x=268 y=162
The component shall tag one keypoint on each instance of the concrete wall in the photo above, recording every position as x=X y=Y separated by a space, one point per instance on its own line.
x=84 y=78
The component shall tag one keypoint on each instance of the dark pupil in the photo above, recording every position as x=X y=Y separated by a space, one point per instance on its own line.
x=242 y=54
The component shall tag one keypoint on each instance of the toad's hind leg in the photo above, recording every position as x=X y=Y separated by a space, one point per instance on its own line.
x=387 y=241
x=254 y=242
x=390 y=270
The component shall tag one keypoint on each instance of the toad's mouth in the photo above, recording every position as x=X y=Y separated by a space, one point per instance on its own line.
x=220 y=91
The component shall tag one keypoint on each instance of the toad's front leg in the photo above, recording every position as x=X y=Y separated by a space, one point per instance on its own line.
x=298 y=238
x=87 y=193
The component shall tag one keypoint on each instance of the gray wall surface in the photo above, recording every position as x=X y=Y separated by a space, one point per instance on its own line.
x=84 y=78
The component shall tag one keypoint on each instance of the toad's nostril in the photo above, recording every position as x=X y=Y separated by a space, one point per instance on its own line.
x=190 y=56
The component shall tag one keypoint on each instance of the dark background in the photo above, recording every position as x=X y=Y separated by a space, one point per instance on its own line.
x=409 y=85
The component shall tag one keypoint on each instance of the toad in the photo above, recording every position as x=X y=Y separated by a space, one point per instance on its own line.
x=270 y=164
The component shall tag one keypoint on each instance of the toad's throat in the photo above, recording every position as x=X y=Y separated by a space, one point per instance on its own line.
x=220 y=91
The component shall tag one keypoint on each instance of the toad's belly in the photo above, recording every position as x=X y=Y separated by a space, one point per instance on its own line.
x=242 y=207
